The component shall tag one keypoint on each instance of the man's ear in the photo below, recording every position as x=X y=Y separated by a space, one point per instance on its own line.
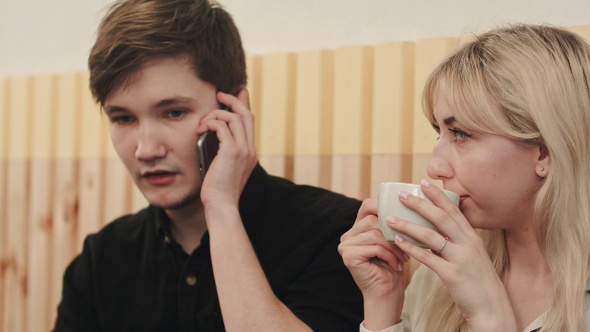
x=544 y=162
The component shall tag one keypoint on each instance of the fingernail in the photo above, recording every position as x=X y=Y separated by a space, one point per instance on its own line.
x=400 y=267
x=404 y=194
x=426 y=184
x=399 y=239
x=391 y=220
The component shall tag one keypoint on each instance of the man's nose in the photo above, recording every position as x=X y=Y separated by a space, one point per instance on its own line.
x=150 y=145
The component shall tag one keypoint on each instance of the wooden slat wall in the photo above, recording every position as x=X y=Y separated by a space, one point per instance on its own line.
x=14 y=260
x=276 y=113
x=351 y=120
x=314 y=95
x=93 y=140
x=344 y=119
x=393 y=100
x=40 y=204
x=3 y=195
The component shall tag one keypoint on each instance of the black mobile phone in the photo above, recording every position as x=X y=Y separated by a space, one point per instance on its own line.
x=207 y=147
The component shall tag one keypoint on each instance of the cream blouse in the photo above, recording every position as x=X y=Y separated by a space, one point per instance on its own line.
x=417 y=295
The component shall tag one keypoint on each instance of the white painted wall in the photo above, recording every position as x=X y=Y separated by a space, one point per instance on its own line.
x=39 y=36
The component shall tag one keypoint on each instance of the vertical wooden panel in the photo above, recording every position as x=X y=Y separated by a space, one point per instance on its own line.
x=352 y=120
x=91 y=154
x=65 y=190
x=254 y=70
x=3 y=198
x=40 y=203
x=429 y=53
x=14 y=264
x=277 y=114
x=313 y=118
x=393 y=108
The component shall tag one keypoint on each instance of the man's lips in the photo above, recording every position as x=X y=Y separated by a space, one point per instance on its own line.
x=159 y=177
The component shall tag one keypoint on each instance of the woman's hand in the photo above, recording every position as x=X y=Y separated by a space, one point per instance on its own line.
x=458 y=257
x=376 y=266
x=236 y=157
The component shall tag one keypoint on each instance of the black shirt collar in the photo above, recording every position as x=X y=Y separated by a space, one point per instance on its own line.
x=251 y=203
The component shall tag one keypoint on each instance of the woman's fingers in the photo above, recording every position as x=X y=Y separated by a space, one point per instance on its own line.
x=374 y=237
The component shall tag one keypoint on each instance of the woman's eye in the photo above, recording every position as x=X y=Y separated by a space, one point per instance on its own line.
x=459 y=135
x=437 y=129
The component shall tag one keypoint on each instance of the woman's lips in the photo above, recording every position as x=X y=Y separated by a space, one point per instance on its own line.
x=462 y=200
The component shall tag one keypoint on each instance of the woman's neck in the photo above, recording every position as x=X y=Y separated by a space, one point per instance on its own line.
x=527 y=279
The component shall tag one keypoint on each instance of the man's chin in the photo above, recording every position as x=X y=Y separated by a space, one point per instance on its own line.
x=176 y=204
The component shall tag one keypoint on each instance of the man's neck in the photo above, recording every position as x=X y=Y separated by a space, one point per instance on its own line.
x=188 y=225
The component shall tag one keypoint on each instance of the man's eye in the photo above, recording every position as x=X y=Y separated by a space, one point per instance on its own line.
x=124 y=119
x=176 y=113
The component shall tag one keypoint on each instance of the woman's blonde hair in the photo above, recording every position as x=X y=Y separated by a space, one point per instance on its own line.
x=539 y=79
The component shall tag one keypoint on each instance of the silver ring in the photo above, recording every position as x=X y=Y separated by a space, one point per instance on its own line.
x=443 y=246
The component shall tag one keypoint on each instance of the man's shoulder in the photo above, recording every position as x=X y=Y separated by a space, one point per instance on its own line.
x=327 y=199
x=316 y=200
x=125 y=229
x=274 y=193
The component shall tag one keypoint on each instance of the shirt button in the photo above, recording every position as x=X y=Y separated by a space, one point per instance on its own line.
x=191 y=280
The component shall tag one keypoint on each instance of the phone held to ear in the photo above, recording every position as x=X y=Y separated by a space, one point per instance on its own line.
x=207 y=147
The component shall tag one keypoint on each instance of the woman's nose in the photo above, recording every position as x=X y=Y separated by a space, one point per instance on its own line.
x=439 y=167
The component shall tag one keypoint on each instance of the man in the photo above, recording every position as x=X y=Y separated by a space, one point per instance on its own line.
x=240 y=250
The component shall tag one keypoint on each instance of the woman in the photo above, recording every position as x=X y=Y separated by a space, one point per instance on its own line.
x=512 y=109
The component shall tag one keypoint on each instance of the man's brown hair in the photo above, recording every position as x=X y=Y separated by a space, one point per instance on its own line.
x=135 y=31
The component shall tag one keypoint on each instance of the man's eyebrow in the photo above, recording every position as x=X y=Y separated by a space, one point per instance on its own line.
x=173 y=101
x=114 y=109
x=160 y=104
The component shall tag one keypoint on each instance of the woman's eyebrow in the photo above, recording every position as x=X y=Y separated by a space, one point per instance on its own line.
x=449 y=121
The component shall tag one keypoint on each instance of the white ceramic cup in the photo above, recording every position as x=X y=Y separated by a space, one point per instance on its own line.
x=389 y=205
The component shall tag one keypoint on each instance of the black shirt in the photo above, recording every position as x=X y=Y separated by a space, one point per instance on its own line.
x=133 y=275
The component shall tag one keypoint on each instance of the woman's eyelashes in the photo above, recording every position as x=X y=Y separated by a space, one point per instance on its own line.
x=458 y=135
